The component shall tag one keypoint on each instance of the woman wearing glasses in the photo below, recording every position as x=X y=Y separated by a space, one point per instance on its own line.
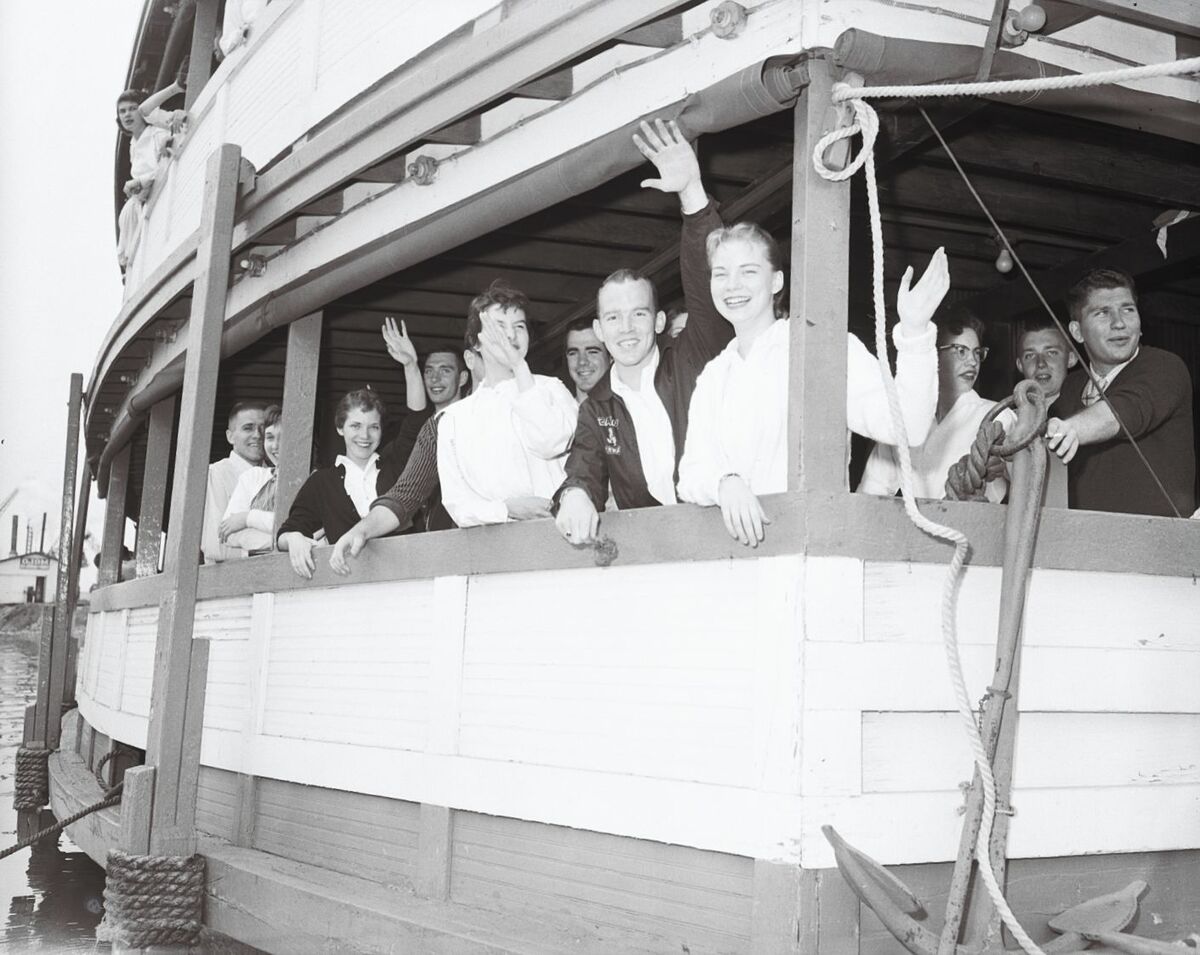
x=959 y=412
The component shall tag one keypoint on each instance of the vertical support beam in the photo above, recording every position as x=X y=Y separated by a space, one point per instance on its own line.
x=205 y=29
x=180 y=664
x=299 y=402
x=61 y=616
x=114 y=518
x=136 y=799
x=81 y=516
x=819 y=303
x=434 y=852
x=154 y=486
x=783 y=911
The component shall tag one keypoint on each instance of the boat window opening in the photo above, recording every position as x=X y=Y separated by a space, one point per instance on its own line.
x=560 y=255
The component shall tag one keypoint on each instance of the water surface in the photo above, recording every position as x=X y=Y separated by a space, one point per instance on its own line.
x=52 y=894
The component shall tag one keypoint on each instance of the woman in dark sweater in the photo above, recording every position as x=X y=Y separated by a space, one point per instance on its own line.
x=334 y=498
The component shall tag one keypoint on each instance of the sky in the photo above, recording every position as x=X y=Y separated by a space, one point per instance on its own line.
x=60 y=288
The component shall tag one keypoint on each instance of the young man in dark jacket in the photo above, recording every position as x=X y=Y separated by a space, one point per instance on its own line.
x=632 y=425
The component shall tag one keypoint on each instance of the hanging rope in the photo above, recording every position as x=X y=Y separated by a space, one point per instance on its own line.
x=866 y=123
x=111 y=798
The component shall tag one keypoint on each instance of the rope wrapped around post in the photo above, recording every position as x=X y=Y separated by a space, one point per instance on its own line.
x=987 y=460
x=153 y=900
x=31 y=784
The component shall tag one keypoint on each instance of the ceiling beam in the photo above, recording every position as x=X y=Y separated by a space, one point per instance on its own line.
x=1172 y=16
x=1140 y=256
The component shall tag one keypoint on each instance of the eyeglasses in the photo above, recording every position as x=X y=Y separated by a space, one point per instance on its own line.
x=962 y=351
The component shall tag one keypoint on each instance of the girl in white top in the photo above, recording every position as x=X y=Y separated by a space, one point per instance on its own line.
x=960 y=411
x=736 y=445
x=249 y=521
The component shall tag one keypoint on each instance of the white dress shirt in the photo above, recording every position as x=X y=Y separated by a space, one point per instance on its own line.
x=223 y=477
x=360 y=482
x=947 y=442
x=499 y=443
x=737 y=422
x=652 y=425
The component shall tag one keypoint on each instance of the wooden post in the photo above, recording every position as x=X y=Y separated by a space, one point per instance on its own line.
x=62 y=613
x=205 y=29
x=154 y=487
x=81 y=515
x=180 y=665
x=819 y=301
x=299 y=402
x=434 y=850
x=114 y=518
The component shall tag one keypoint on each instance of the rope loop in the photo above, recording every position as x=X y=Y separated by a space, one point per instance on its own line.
x=31 y=783
x=153 y=900
x=866 y=122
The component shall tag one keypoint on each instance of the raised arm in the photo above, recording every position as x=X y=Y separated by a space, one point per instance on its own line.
x=155 y=100
x=674 y=158
x=915 y=338
x=401 y=348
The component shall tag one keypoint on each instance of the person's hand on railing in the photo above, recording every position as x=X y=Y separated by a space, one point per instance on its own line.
x=231 y=525
x=577 y=519
x=299 y=550
x=744 y=516
x=349 y=545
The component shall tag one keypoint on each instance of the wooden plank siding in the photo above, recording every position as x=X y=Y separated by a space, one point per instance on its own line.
x=680 y=898
x=366 y=836
x=218 y=803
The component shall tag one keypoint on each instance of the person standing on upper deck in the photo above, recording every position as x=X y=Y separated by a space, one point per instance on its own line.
x=500 y=450
x=632 y=425
x=737 y=436
x=149 y=128
x=1150 y=391
x=960 y=411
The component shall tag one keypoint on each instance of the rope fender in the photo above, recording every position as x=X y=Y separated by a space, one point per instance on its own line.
x=153 y=900
x=31 y=785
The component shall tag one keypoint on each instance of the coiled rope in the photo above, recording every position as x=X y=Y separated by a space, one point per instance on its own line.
x=31 y=782
x=866 y=123
x=152 y=900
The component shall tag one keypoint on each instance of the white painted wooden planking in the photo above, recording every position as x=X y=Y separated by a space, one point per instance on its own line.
x=110 y=673
x=264 y=125
x=1064 y=608
x=660 y=682
x=362 y=41
x=924 y=827
x=891 y=676
x=354 y=669
x=139 y=661
x=908 y=752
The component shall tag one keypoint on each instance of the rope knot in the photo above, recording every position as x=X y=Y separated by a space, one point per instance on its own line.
x=865 y=121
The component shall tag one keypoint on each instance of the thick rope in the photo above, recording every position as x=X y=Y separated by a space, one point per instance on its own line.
x=867 y=122
x=968 y=477
x=152 y=900
x=111 y=798
x=996 y=87
x=31 y=783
